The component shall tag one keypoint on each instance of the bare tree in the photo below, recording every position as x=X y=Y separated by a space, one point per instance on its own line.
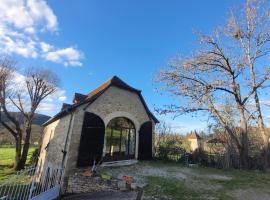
x=217 y=73
x=161 y=131
x=253 y=36
x=38 y=83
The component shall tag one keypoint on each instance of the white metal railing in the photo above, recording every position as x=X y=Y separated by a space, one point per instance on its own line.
x=46 y=183
x=31 y=184
x=18 y=185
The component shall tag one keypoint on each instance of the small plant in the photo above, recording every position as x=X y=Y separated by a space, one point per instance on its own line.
x=106 y=175
x=34 y=158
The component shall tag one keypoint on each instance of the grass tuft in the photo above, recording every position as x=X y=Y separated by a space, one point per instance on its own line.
x=169 y=188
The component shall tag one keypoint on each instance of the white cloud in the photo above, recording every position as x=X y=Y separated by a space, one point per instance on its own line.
x=45 y=47
x=46 y=107
x=15 y=13
x=21 y=22
x=68 y=56
x=47 y=15
x=49 y=106
x=265 y=102
x=27 y=14
x=63 y=98
x=21 y=46
x=60 y=95
x=184 y=127
x=53 y=103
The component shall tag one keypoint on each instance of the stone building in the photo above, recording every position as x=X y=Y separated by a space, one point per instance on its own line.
x=111 y=123
x=195 y=140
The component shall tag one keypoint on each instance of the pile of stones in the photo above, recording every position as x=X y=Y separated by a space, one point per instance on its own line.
x=87 y=182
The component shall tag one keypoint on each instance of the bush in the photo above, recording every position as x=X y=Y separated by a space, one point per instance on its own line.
x=169 y=154
x=34 y=157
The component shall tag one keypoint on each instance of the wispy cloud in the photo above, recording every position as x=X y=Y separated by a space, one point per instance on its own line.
x=49 y=106
x=52 y=104
x=265 y=102
x=183 y=124
x=22 y=22
x=68 y=56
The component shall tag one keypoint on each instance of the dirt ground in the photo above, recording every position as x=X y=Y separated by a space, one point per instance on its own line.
x=172 y=181
x=207 y=183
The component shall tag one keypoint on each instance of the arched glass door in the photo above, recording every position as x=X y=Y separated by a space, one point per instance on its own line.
x=120 y=139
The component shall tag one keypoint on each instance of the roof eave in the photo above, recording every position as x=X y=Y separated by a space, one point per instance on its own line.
x=93 y=98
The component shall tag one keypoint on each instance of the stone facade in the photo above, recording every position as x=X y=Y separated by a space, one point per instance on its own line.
x=195 y=144
x=195 y=140
x=53 y=142
x=64 y=134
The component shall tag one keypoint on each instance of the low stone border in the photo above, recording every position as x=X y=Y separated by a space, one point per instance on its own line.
x=83 y=182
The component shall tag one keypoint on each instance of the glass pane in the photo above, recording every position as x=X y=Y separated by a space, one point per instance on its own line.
x=132 y=142
x=124 y=142
x=121 y=122
x=115 y=141
x=108 y=140
x=120 y=139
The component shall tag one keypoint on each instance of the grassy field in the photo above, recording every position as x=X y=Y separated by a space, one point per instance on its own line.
x=7 y=155
x=173 y=181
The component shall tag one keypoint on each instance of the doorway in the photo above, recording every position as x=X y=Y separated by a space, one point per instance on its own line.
x=92 y=139
x=120 y=139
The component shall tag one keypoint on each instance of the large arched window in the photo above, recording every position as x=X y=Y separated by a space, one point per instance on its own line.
x=120 y=139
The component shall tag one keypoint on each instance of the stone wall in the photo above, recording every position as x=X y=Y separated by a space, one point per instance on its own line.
x=114 y=102
x=53 y=142
x=195 y=144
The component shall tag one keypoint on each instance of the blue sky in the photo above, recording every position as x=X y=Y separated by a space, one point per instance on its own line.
x=87 y=42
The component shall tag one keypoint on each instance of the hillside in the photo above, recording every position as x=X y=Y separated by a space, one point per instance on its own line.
x=39 y=119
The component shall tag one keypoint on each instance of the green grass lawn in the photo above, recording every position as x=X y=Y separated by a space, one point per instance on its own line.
x=7 y=156
x=207 y=183
x=169 y=188
x=173 y=181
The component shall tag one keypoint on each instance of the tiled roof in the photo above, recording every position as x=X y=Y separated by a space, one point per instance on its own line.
x=80 y=99
x=65 y=106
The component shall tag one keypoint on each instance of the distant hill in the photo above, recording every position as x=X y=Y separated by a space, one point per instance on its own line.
x=39 y=119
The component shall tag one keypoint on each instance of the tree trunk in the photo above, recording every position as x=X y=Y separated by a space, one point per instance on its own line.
x=26 y=146
x=261 y=126
x=262 y=130
x=266 y=151
x=18 y=149
x=243 y=152
x=242 y=145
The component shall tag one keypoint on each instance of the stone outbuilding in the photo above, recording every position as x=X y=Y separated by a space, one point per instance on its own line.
x=111 y=123
x=195 y=140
